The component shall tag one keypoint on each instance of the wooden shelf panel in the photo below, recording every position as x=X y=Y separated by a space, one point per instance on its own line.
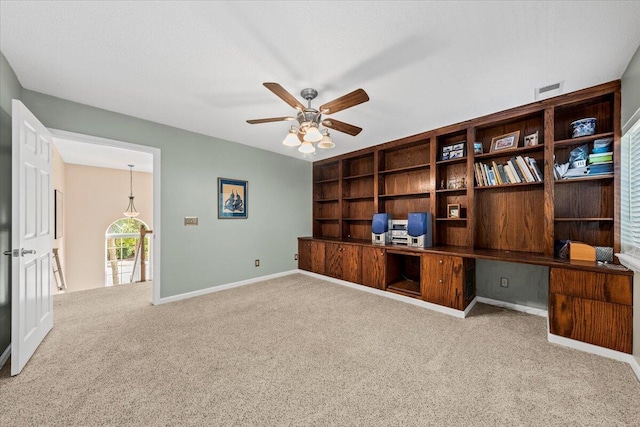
x=522 y=184
x=405 y=169
x=583 y=219
x=358 y=198
x=510 y=153
x=364 y=175
x=586 y=178
x=325 y=181
x=451 y=219
x=405 y=287
x=325 y=200
x=452 y=161
x=582 y=140
x=358 y=219
x=327 y=219
x=452 y=190
x=402 y=195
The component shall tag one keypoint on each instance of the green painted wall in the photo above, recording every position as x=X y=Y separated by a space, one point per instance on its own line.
x=9 y=88
x=217 y=251
x=528 y=284
x=631 y=88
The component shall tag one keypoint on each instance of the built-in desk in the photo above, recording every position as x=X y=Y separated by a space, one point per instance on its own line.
x=587 y=302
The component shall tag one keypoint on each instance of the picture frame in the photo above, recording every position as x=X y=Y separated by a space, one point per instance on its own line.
x=453 y=211
x=456 y=150
x=58 y=212
x=531 y=140
x=505 y=142
x=233 y=199
x=477 y=148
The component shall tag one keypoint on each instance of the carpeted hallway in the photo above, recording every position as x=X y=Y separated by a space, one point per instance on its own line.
x=301 y=351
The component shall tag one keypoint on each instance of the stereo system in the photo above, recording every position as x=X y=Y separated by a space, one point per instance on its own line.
x=416 y=231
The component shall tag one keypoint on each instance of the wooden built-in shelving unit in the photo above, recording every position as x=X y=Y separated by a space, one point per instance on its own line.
x=409 y=175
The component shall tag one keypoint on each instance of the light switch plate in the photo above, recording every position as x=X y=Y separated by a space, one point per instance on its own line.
x=190 y=220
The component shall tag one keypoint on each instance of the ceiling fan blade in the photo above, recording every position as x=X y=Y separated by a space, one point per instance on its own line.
x=349 y=100
x=284 y=95
x=272 y=119
x=341 y=126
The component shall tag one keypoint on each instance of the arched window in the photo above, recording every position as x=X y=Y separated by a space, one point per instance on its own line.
x=122 y=242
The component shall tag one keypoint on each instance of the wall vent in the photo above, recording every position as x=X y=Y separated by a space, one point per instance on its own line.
x=549 y=91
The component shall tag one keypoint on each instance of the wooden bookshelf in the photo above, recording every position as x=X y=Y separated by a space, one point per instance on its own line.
x=411 y=175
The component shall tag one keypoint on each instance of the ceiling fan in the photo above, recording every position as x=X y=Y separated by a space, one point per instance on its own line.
x=309 y=119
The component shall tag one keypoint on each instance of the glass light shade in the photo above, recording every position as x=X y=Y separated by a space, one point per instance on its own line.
x=131 y=209
x=291 y=140
x=307 y=148
x=312 y=134
x=326 y=142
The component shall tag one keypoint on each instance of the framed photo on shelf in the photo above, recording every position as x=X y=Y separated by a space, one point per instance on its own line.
x=453 y=151
x=477 y=148
x=453 y=211
x=531 y=140
x=233 y=198
x=505 y=142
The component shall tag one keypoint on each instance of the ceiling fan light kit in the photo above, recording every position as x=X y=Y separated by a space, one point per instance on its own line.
x=307 y=133
x=292 y=140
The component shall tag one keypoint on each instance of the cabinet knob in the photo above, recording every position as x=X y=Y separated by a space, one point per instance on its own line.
x=440 y=280
x=440 y=261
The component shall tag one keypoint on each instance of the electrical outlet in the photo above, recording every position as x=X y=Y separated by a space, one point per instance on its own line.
x=295 y=257
x=504 y=282
x=257 y=263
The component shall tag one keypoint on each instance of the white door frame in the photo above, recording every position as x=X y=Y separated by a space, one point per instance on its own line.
x=155 y=152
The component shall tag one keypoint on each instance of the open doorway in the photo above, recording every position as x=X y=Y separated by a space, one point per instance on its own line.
x=100 y=246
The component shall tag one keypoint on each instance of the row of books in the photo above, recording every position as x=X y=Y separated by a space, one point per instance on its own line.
x=517 y=170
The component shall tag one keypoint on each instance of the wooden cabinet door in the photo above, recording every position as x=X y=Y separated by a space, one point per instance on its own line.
x=304 y=255
x=333 y=260
x=595 y=322
x=351 y=263
x=442 y=280
x=318 y=257
x=373 y=265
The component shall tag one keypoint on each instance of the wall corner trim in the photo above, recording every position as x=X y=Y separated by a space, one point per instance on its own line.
x=512 y=306
x=5 y=356
x=635 y=366
x=226 y=286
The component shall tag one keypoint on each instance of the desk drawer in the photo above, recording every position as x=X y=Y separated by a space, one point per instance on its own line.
x=603 y=287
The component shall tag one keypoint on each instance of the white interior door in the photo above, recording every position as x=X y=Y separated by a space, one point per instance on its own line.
x=31 y=237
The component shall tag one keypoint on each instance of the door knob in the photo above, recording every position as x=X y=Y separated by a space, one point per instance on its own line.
x=28 y=251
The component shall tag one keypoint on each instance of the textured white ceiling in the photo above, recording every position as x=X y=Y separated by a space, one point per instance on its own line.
x=200 y=65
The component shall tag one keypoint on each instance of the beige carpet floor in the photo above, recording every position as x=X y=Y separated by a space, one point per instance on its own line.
x=301 y=351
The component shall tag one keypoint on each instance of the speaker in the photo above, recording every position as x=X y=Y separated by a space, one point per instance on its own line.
x=419 y=229
x=380 y=226
x=380 y=223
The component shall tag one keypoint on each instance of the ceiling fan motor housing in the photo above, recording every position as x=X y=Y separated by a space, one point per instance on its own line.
x=309 y=117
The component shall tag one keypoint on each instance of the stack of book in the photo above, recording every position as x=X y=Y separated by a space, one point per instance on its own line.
x=601 y=163
x=517 y=170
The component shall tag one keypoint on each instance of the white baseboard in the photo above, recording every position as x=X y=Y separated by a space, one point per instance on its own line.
x=219 y=288
x=635 y=366
x=590 y=348
x=512 y=306
x=434 y=307
x=5 y=356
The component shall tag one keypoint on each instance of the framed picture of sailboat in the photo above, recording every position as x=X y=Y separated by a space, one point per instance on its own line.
x=233 y=197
